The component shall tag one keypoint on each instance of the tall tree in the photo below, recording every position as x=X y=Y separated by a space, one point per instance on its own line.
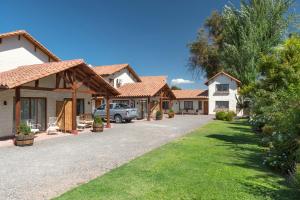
x=235 y=39
x=205 y=55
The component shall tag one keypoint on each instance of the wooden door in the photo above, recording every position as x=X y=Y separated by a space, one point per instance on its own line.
x=205 y=107
x=60 y=114
x=68 y=115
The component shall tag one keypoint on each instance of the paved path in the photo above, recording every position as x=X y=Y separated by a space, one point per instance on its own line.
x=51 y=167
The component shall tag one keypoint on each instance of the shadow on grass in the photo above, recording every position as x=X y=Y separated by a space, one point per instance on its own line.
x=244 y=143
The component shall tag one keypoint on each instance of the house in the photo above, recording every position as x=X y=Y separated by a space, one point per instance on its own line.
x=222 y=93
x=146 y=93
x=191 y=102
x=36 y=85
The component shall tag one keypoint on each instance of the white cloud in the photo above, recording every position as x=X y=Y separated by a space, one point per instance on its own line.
x=179 y=81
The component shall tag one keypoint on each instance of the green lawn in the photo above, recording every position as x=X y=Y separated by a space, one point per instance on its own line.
x=218 y=161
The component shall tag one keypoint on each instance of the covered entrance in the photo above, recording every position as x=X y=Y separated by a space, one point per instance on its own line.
x=53 y=88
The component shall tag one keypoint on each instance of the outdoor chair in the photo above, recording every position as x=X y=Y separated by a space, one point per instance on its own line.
x=34 y=127
x=52 y=126
x=80 y=123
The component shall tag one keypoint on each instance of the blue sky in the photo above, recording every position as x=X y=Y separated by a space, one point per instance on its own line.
x=150 y=35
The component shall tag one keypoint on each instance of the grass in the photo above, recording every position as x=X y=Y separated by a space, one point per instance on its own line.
x=219 y=161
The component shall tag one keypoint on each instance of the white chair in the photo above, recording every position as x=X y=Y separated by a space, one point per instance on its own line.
x=34 y=127
x=80 y=125
x=52 y=126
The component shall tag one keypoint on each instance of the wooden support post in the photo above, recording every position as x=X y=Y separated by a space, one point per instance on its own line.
x=161 y=105
x=108 y=112
x=74 y=112
x=18 y=108
x=149 y=109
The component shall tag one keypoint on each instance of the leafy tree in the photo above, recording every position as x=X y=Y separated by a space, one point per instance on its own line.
x=235 y=39
x=276 y=105
x=175 y=87
x=205 y=51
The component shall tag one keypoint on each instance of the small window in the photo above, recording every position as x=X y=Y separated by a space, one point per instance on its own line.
x=188 y=105
x=222 y=105
x=200 y=105
x=111 y=81
x=222 y=88
x=0 y=40
x=80 y=106
x=165 y=105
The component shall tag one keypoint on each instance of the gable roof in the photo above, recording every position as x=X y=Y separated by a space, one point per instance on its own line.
x=223 y=73
x=28 y=73
x=149 y=87
x=32 y=40
x=107 y=70
x=190 y=94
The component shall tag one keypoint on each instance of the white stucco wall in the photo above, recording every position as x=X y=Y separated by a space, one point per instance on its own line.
x=6 y=114
x=213 y=97
x=181 y=102
x=15 y=52
x=124 y=75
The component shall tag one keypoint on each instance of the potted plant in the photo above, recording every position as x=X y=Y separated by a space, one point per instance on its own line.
x=24 y=137
x=171 y=113
x=158 y=115
x=97 y=124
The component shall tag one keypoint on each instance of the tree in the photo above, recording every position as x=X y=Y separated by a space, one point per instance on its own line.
x=235 y=39
x=276 y=107
x=174 y=87
x=204 y=52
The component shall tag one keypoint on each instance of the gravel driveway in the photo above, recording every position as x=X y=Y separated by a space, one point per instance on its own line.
x=51 y=167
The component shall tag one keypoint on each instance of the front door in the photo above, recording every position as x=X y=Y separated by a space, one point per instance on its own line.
x=205 y=107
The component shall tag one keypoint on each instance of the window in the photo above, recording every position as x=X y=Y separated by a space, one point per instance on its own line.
x=200 y=105
x=188 y=105
x=222 y=88
x=121 y=101
x=165 y=105
x=80 y=106
x=222 y=105
x=0 y=40
x=111 y=81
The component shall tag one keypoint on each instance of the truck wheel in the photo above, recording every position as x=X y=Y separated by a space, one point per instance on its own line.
x=118 y=119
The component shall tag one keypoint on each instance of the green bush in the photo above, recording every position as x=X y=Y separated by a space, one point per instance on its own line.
x=24 y=129
x=221 y=115
x=98 y=120
x=171 y=110
x=158 y=114
x=225 y=115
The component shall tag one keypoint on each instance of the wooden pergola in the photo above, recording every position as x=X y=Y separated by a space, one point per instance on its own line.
x=67 y=79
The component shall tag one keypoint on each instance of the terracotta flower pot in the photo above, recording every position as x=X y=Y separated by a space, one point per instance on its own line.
x=97 y=128
x=171 y=114
x=159 y=117
x=24 y=140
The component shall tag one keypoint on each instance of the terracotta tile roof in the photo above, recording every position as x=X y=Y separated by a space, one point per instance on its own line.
x=111 y=69
x=150 y=79
x=190 y=94
x=25 y=74
x=149 y=86
x=32 y=40
x=224 y=73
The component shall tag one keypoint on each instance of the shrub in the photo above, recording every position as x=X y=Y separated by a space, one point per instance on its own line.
x=225 y=115
x=230 y=115
x=98 y=120
x=221 y=115
x=158 y=114
x=171 y=110
x=24 y=129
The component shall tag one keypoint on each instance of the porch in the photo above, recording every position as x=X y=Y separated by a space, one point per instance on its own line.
x=61 y=90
